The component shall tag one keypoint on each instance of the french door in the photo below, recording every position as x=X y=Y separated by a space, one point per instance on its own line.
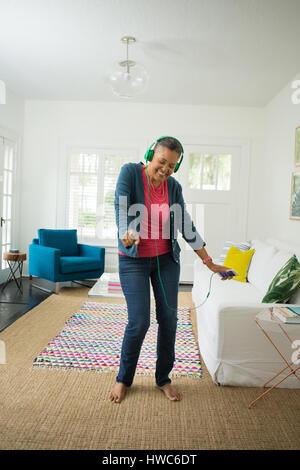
x=7 y=202
x=215 y=188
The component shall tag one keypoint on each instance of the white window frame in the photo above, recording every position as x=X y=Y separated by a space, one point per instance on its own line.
x=63 y=188
x=15 y=139
x=210 y=144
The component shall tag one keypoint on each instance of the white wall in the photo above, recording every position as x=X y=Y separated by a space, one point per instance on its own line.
x=50 y=124
x=270 y=132
x=282 y=117
x=12 y=113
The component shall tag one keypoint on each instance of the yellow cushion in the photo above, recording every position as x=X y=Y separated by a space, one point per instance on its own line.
x=239 y=261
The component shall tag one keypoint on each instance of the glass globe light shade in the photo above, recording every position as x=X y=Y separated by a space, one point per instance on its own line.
x=128 y=82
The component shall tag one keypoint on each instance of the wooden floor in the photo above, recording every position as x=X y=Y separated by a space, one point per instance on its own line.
x=14 y=304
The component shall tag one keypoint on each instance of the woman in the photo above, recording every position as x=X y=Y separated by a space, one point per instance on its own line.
x=149 y=212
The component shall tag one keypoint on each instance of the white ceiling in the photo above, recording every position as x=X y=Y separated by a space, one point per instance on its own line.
x=209 y=52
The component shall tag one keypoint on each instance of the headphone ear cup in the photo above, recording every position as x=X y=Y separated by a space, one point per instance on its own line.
x=150 y=154
x=178 y=164
x=146 y=156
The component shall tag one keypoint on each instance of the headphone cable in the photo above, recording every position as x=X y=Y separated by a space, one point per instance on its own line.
x=158 y=268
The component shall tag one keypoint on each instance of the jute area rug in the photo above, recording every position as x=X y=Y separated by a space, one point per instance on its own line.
x=66 y=409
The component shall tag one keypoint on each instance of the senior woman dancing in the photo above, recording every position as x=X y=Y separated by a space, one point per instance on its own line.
x=149 y=251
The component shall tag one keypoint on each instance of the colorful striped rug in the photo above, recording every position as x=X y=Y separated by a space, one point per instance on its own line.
x=92 y=339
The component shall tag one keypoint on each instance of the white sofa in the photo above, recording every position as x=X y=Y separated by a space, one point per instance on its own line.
x=232 y=346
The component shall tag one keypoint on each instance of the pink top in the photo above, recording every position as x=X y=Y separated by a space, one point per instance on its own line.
x=152 y=227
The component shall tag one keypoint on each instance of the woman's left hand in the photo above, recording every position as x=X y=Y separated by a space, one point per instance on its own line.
x=216 y=268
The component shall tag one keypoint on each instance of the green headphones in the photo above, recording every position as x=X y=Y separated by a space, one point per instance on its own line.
x=150 y=152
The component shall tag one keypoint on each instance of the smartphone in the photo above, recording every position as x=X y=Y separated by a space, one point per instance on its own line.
x=232 y=272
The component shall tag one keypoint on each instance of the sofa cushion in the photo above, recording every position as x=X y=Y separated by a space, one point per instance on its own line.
x=288 y=246
x=259 y=265
x=65 y=240
x=222 y=292
x=239 y=261
x=74 y=264
x=243 y=246
x=277 y=262
x=295 y=299
x=285 y=283
x=291 y=248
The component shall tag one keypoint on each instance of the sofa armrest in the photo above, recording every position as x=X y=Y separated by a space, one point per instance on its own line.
x=92 y=251
x=44 y=262
x=243 y=312
x=239 y=337
x=250 y=306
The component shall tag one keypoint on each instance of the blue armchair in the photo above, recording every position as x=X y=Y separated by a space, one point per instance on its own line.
x=56 y=256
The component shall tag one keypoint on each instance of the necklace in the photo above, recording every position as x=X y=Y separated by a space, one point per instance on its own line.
x=148 y=180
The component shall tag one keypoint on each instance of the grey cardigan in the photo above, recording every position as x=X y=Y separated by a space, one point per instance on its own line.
x=130 y=204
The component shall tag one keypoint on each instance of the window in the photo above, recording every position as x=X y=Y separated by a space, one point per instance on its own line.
x=92 y=181
x=83 y=194
x=209 y=172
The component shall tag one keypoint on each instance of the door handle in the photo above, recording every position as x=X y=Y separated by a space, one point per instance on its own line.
x=2 y=221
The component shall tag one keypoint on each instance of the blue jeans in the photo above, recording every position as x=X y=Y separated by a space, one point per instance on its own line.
x=135 y=274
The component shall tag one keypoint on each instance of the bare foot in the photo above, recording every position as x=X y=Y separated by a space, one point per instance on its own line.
x=170 y=392
x=118 y=392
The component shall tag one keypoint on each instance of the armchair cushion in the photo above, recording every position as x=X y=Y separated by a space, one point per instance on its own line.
x=91 y=251
x=72 y=264
x=64 y=240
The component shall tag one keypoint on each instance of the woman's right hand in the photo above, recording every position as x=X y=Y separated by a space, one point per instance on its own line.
x=130 y=238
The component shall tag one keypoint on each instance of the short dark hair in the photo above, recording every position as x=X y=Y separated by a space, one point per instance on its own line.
x=171 y=143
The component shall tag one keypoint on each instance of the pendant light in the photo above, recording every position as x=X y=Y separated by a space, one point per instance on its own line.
x=130 y=79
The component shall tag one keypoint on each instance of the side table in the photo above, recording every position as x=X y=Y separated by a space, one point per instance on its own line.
x=268 y=322
x=15 y=263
